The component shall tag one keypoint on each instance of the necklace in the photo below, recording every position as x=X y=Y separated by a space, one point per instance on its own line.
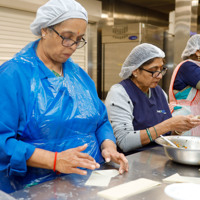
x=58 y=74
x=61 y=71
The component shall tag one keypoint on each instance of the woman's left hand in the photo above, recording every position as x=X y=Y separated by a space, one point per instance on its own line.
x=109 y=152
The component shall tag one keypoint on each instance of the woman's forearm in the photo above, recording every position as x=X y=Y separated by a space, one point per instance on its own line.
x=41 y=159
x=155 y=131
x=177 y=123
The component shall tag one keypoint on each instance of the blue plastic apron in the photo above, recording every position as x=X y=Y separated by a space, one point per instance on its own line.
x=63 y=114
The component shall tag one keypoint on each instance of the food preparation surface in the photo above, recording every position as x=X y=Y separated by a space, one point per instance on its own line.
x=150 y=164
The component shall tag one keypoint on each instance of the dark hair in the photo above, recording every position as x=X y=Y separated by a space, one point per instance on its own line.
x=52 y=26
x=193 y=57
x=148 y=62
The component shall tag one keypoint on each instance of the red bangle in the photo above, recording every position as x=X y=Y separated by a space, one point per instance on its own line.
x=54 y=164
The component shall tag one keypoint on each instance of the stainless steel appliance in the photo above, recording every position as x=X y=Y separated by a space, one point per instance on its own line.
x=117 y=43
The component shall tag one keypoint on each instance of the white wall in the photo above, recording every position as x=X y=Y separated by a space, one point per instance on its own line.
x=16 y=17
x=93 y=7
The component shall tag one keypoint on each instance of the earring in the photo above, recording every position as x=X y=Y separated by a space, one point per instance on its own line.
x=135 y=75
x=43 y=35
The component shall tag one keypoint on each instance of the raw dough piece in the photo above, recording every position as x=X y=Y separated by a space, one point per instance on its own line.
x=108 y=172
x=101 y=177
x=6 y=196
x=128 y=189
x=182 y=179
x=197 y=117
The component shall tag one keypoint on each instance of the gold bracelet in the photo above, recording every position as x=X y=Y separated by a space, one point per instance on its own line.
x=177 y=133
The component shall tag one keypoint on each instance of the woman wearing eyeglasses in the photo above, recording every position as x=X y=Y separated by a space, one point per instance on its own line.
x=137 y=106
x=184 y=91
x=52 y=120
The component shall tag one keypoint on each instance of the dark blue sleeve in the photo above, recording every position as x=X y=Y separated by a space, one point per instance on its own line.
x=188 y=75
x=13 y=153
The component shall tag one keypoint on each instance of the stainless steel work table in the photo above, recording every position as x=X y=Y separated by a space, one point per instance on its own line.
x=151 y=164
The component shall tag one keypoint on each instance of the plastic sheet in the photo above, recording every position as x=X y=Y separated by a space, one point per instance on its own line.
x=62 y=113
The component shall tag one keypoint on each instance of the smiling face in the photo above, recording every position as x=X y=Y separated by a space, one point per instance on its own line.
x=52 y=48
x=143 y=79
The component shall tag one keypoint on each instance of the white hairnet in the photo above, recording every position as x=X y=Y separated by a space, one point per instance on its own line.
x=193 y=44
x=56 y=11
x=139 y=55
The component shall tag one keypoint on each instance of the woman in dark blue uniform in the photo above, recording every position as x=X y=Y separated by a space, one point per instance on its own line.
x=137 y=106
x=184 y=91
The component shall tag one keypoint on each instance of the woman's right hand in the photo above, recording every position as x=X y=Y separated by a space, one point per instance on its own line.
x=71 y=160
x=183 y=123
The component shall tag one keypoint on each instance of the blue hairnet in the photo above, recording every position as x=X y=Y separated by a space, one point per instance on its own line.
x=139 y=55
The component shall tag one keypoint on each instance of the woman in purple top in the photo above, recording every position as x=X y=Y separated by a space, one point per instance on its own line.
x=137 y=106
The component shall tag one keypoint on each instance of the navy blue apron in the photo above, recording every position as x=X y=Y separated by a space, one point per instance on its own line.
x=147 y=112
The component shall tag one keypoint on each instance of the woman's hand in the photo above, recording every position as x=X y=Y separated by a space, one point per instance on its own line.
x=184 y=123
x=109 y=152
x=68 y=161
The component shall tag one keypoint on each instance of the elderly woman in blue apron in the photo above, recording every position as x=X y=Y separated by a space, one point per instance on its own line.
x=184 y=91
x=51 y=117
x=137 y=106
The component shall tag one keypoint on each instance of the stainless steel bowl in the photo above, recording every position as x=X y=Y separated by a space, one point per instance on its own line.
x=188 y=151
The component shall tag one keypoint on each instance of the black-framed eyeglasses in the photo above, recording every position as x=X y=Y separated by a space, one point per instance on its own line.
x=67 y=42
x=155 y=74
